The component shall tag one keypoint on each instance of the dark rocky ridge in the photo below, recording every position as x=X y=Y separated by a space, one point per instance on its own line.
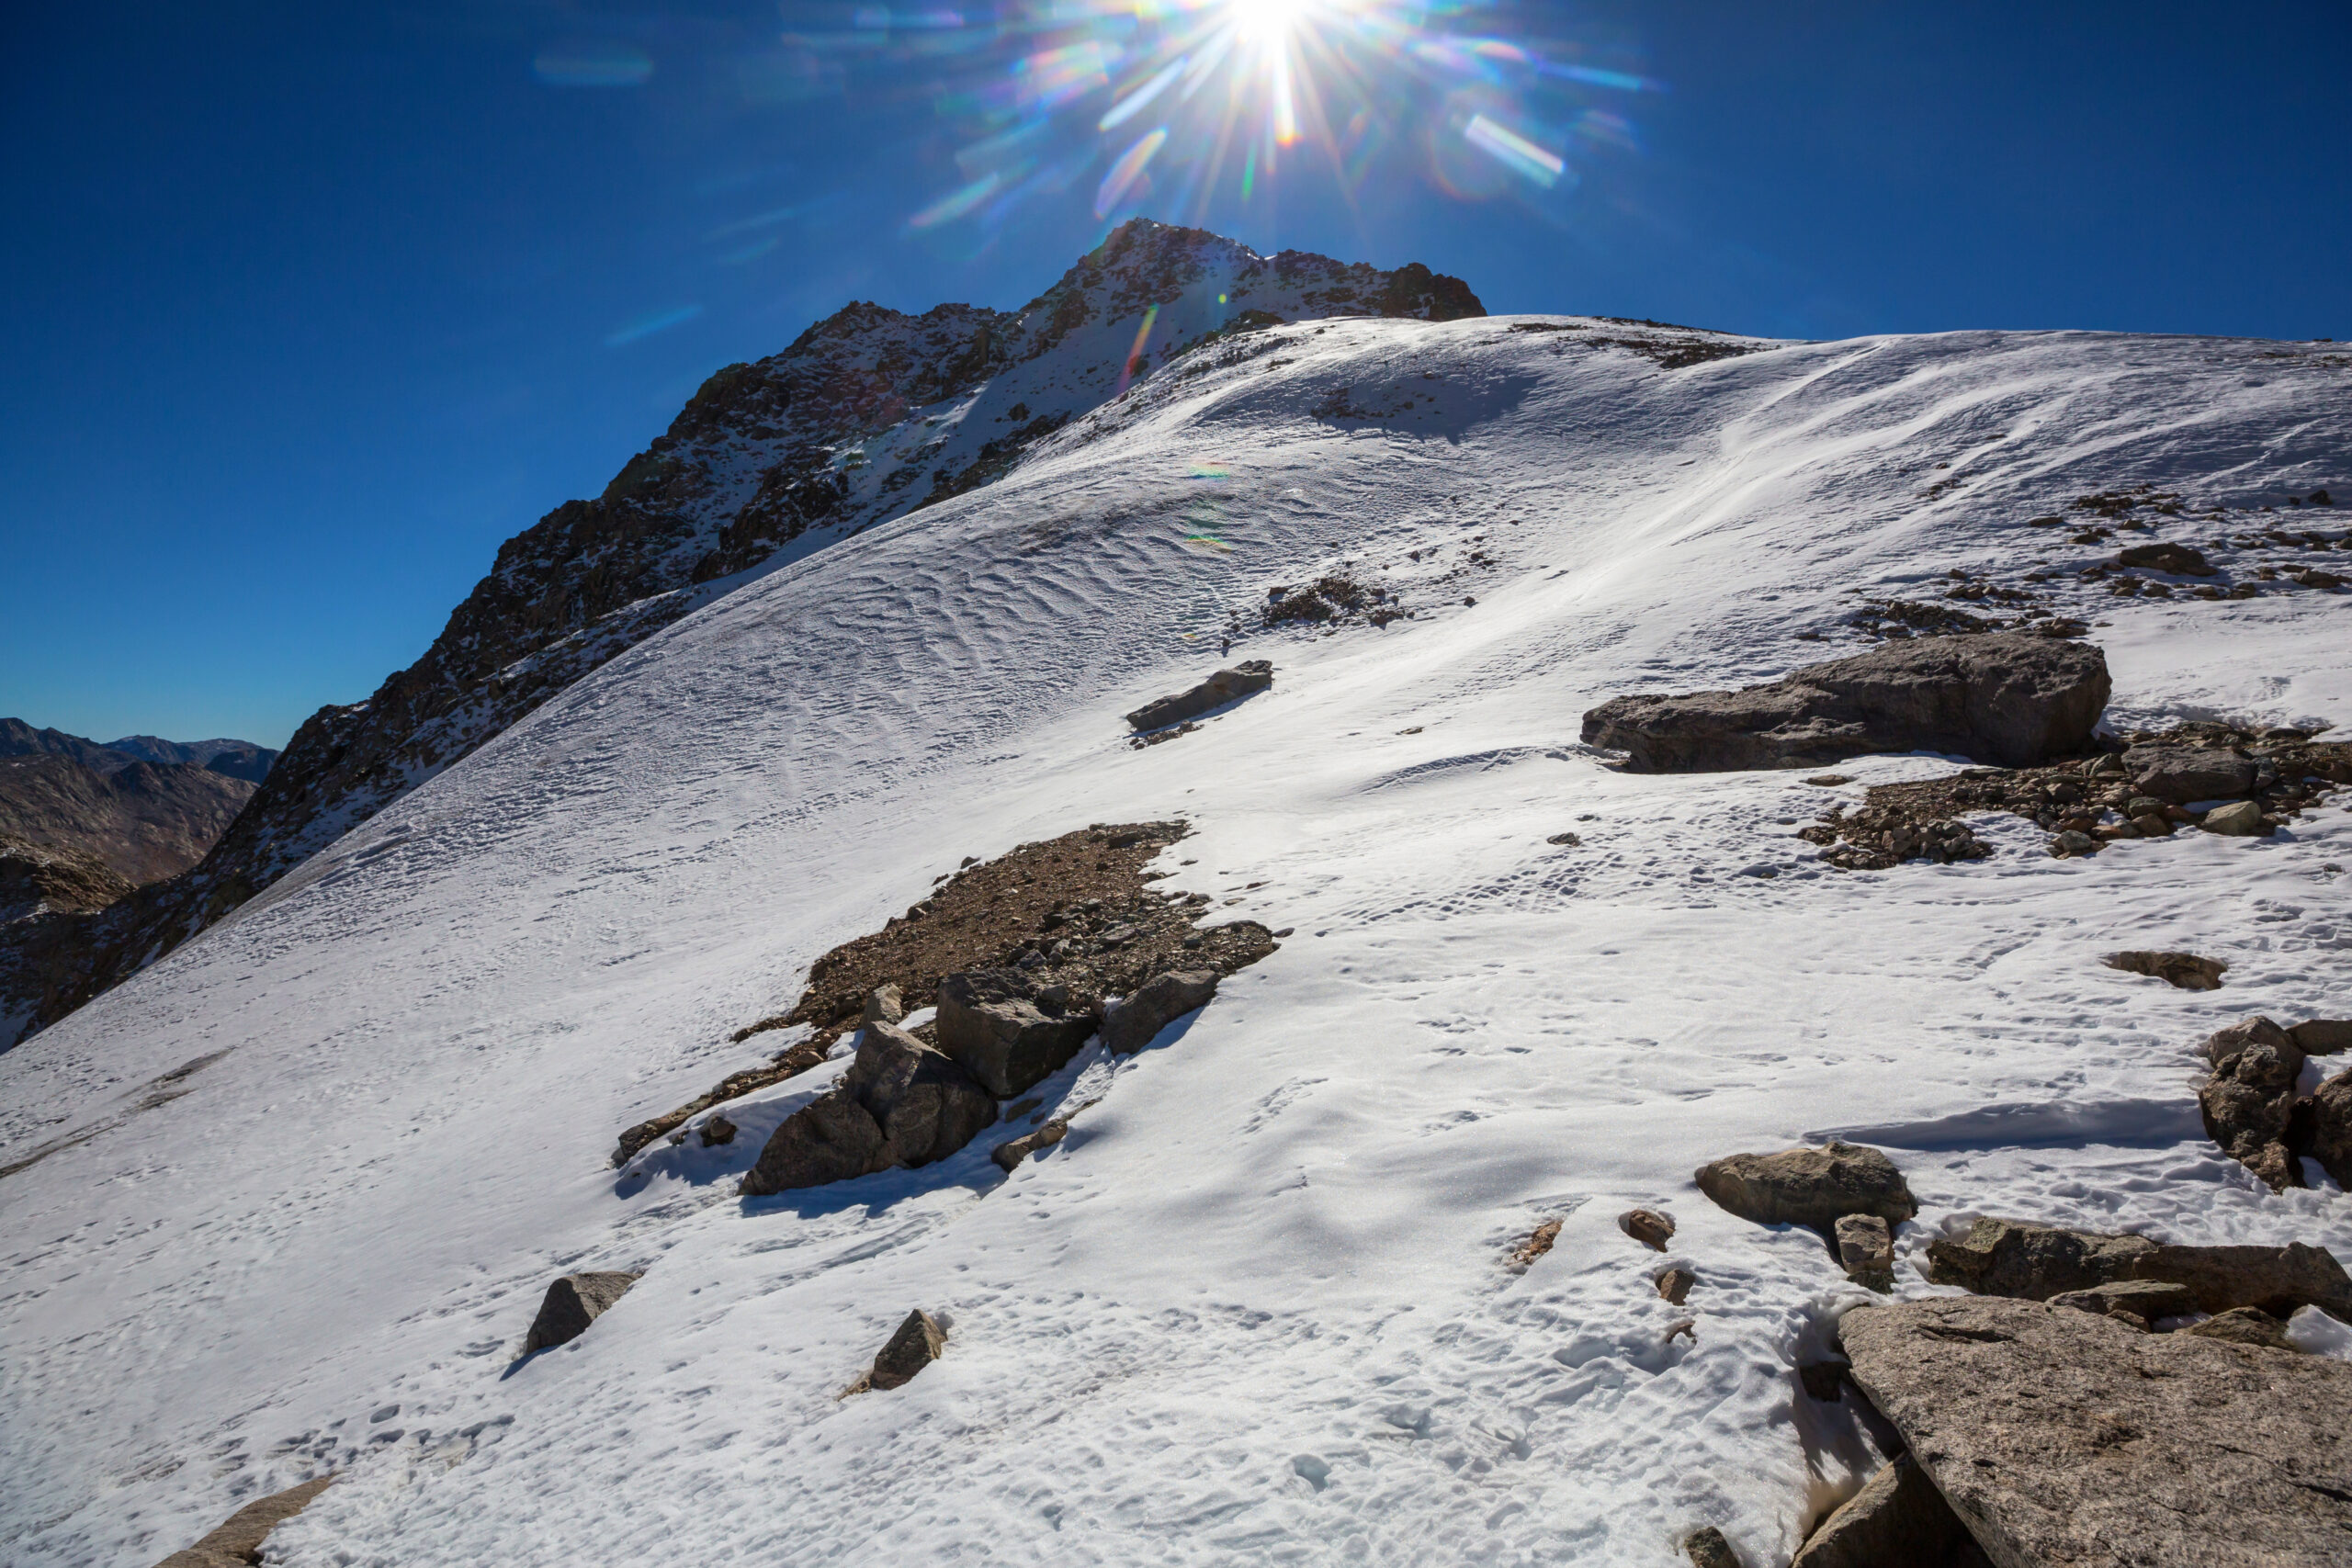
x=826 y=438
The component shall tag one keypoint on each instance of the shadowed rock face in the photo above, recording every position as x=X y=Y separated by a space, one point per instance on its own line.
x=1898 y=1518
x=2002 y=1257
x=572 y=1304
x=2059 y=1437
x=901 y=1104
x=145 y=822
x=2009 y=698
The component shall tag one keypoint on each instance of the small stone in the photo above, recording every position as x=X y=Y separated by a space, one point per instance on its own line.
x=1708 y=1549
x=1829 y=780
x=572 y=1304
x=2239 y=819
x=2070 y=844
x=717 y=1132
x=1866 y=1251
x=1647 y=1226
x=1535 y=1246
x=1008 y=1155
x=1568 y=841
x=1674 y=1285
x=919 y=1342
x=2244 y=1325
x=884 y=1006
x=2184 y=970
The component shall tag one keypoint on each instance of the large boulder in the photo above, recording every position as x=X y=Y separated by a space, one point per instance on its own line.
x=1225 y=687
x=2011 y=698
x=1130 y=1023
x=2003 y=1258
x=1809 y=1187
x=2058 y=1437
x=1898 y=1518
x=901 y=1104
x=2178 y=560
x=2182 y=773
x=2248 y=1102
x=572 y=1304
x=1006 y=1033
x=919 y=1342
x=237 y=1541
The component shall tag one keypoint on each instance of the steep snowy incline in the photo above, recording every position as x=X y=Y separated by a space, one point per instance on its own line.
x=305 y=1178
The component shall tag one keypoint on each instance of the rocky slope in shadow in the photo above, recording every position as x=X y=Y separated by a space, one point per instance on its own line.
x=869 y=414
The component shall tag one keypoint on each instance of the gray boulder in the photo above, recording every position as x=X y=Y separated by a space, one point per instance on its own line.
x=901 y=1104
x=2238 y=820
x=2178 y=560
x=1809 y=1187
x=2331 y=1134
x=2010 y=698
x=919 y=1342
x=2245 y=1326
x=237 y=1541
x=573 y=1303
x=1225 y=687
x=2145 y=1300
x=2003 y=1258
x=1130 y=1023
x=1899 y=1519
x=1707 y=1548
x=884 y=1004
x=2182 y=773
x=1866 y=1251
x=2275 y=1278
x=2060 y=1436
x=2248 y=1103
x=992 y=1024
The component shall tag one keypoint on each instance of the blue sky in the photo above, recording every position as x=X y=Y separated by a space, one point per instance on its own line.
x=304 y=308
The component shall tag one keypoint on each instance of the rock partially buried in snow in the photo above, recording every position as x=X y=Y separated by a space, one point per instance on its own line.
x=1005 y=1031
x=1899 y=1520
x=2003 y=1258
x=2244 y=1325
x=2177 y=560
x=2322 y=1036
x=1647 y=1226
x=901 y=1104
x=238 y=1540
x=573 y=1303
x=2184 y=970
x=1866 y=1251
x=2014 y=699
x=2061 y=1438
x=2239 y=819
x=1708 y=1549
x=2179 y=775
x=1674 y=1285
x=919 y=1342
x=2248 y=1103
x=1809 y=1187
x=1008 y=1155
x=1131 y=1024
x=2331 y=1128
x=1225 y=687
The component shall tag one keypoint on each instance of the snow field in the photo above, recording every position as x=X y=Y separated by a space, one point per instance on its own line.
x=1254 y=1309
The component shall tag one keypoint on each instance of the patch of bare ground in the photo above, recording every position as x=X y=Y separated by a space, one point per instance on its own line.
x=2089 y=800
x=1077 y=912
x=1329 y=601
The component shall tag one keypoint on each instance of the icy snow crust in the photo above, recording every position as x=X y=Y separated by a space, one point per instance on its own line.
x=1255 y=1308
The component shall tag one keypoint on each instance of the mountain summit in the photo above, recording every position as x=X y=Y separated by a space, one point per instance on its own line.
x=869 y=414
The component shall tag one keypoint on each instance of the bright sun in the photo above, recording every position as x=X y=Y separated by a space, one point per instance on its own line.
x=1265 y=19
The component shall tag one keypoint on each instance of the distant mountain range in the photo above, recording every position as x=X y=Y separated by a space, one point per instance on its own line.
x=869 y=414
x=238 y=759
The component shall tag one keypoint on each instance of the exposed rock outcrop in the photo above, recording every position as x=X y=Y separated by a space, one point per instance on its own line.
x=1866 y=1251
x=2248 y=1102
x=1809 y=1187
x=1134 y=1021
x=237 y=1542
x=2010 y=698
x=572 y=1304
x=1008 y=1032
x=1224 y=686
x=1898 y=1520
x=2060 y=1437
x=2003 y=1258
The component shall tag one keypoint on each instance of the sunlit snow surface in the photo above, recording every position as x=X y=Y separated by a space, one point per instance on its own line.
x=1254 y=1309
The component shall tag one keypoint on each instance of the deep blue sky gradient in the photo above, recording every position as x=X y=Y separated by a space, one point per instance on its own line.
x=304 y=308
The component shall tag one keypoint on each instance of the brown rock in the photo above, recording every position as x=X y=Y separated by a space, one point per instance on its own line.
x=2322 y=1036
x=2015 y=699
x=1536 y=1244
x=1130 y=1023
x=1225 y=687
x=572 y=1304
x=1866 y=1251
x=1647 y=1226
x=1898 y=1520
x=2275 y=1278
x=2058 y=1437
x=2248 y=1102
x=1809 y=1187
x=2003 y=1258
x=238 y=1540
x=2331 y=1116
x=919 y=1342
x=2182 y=773
x=1675 y=1284
x=717 y=1132
x=831 y=1138
x=1008 y=1155
x=1708 y=1549
x=884 y=1005
x=2177 y=560
x=2245 y=1326
x=992 y=1024
x=2184 y=970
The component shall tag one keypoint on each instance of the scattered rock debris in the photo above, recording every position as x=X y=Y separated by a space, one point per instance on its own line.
x=572 y=1304
x=1335 y=600
x=1081 y=902
x=2184 y=970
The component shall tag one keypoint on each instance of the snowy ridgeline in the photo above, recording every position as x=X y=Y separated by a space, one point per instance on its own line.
x=1256 y=1307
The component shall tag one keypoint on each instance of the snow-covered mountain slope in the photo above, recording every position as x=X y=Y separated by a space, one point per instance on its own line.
x=309 y=1173
x=869 y=414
